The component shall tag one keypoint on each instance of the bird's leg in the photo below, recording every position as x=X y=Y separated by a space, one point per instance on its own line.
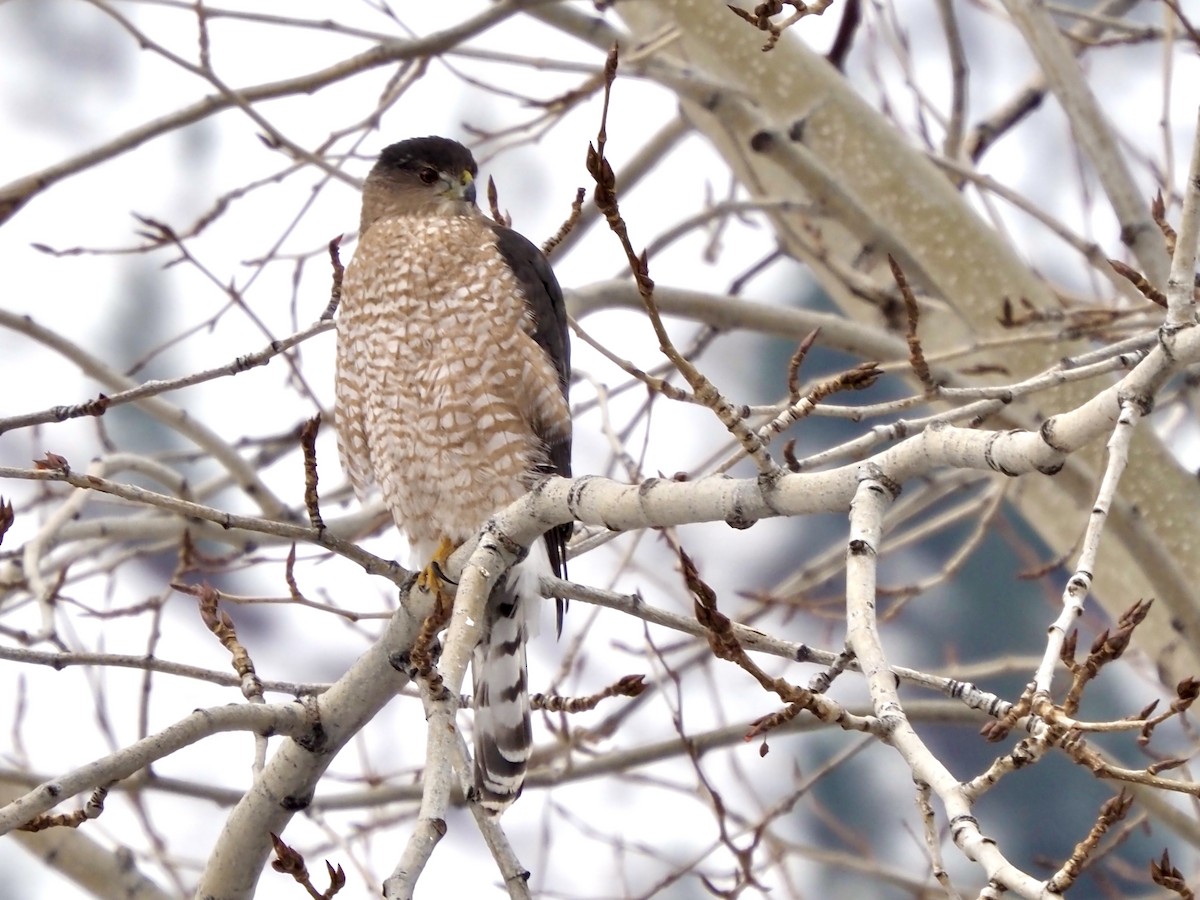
x=433 y=576
x=431 y=579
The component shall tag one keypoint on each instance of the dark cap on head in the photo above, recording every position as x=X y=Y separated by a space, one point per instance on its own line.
x=439 y=153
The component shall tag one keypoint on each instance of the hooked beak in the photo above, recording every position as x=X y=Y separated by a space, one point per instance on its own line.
x=463 y=189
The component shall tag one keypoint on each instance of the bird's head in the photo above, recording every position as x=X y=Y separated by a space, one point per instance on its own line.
x=421 y=176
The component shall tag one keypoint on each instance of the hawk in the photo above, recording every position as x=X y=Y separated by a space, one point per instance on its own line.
x=452 y=372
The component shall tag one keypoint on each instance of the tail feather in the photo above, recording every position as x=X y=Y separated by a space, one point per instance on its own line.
x=503 y=738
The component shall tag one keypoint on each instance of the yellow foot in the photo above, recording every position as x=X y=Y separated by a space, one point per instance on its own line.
x=432 y=575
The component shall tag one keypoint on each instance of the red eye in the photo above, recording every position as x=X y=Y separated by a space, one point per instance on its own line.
x=428 y=175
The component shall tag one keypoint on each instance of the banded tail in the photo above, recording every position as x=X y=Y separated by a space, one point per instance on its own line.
x=503 y=738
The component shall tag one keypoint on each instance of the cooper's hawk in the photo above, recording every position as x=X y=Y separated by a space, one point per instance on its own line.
x=452 y=370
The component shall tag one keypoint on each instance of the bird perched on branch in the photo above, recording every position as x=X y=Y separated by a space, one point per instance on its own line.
x=452 y=373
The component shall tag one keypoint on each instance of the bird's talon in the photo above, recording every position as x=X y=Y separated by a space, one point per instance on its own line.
x=441 y=575
x=434 y=575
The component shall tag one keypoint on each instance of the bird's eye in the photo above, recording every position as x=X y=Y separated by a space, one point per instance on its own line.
x=428 y=175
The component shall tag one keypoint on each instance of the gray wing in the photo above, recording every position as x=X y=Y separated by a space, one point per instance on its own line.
x=545 y=300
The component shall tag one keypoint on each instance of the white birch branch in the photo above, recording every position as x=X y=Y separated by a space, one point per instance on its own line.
x=871 y=499
x=1079 y=584
x=286 y=784
x=1093 y=133
x=293 y=719
x=1181 y=285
